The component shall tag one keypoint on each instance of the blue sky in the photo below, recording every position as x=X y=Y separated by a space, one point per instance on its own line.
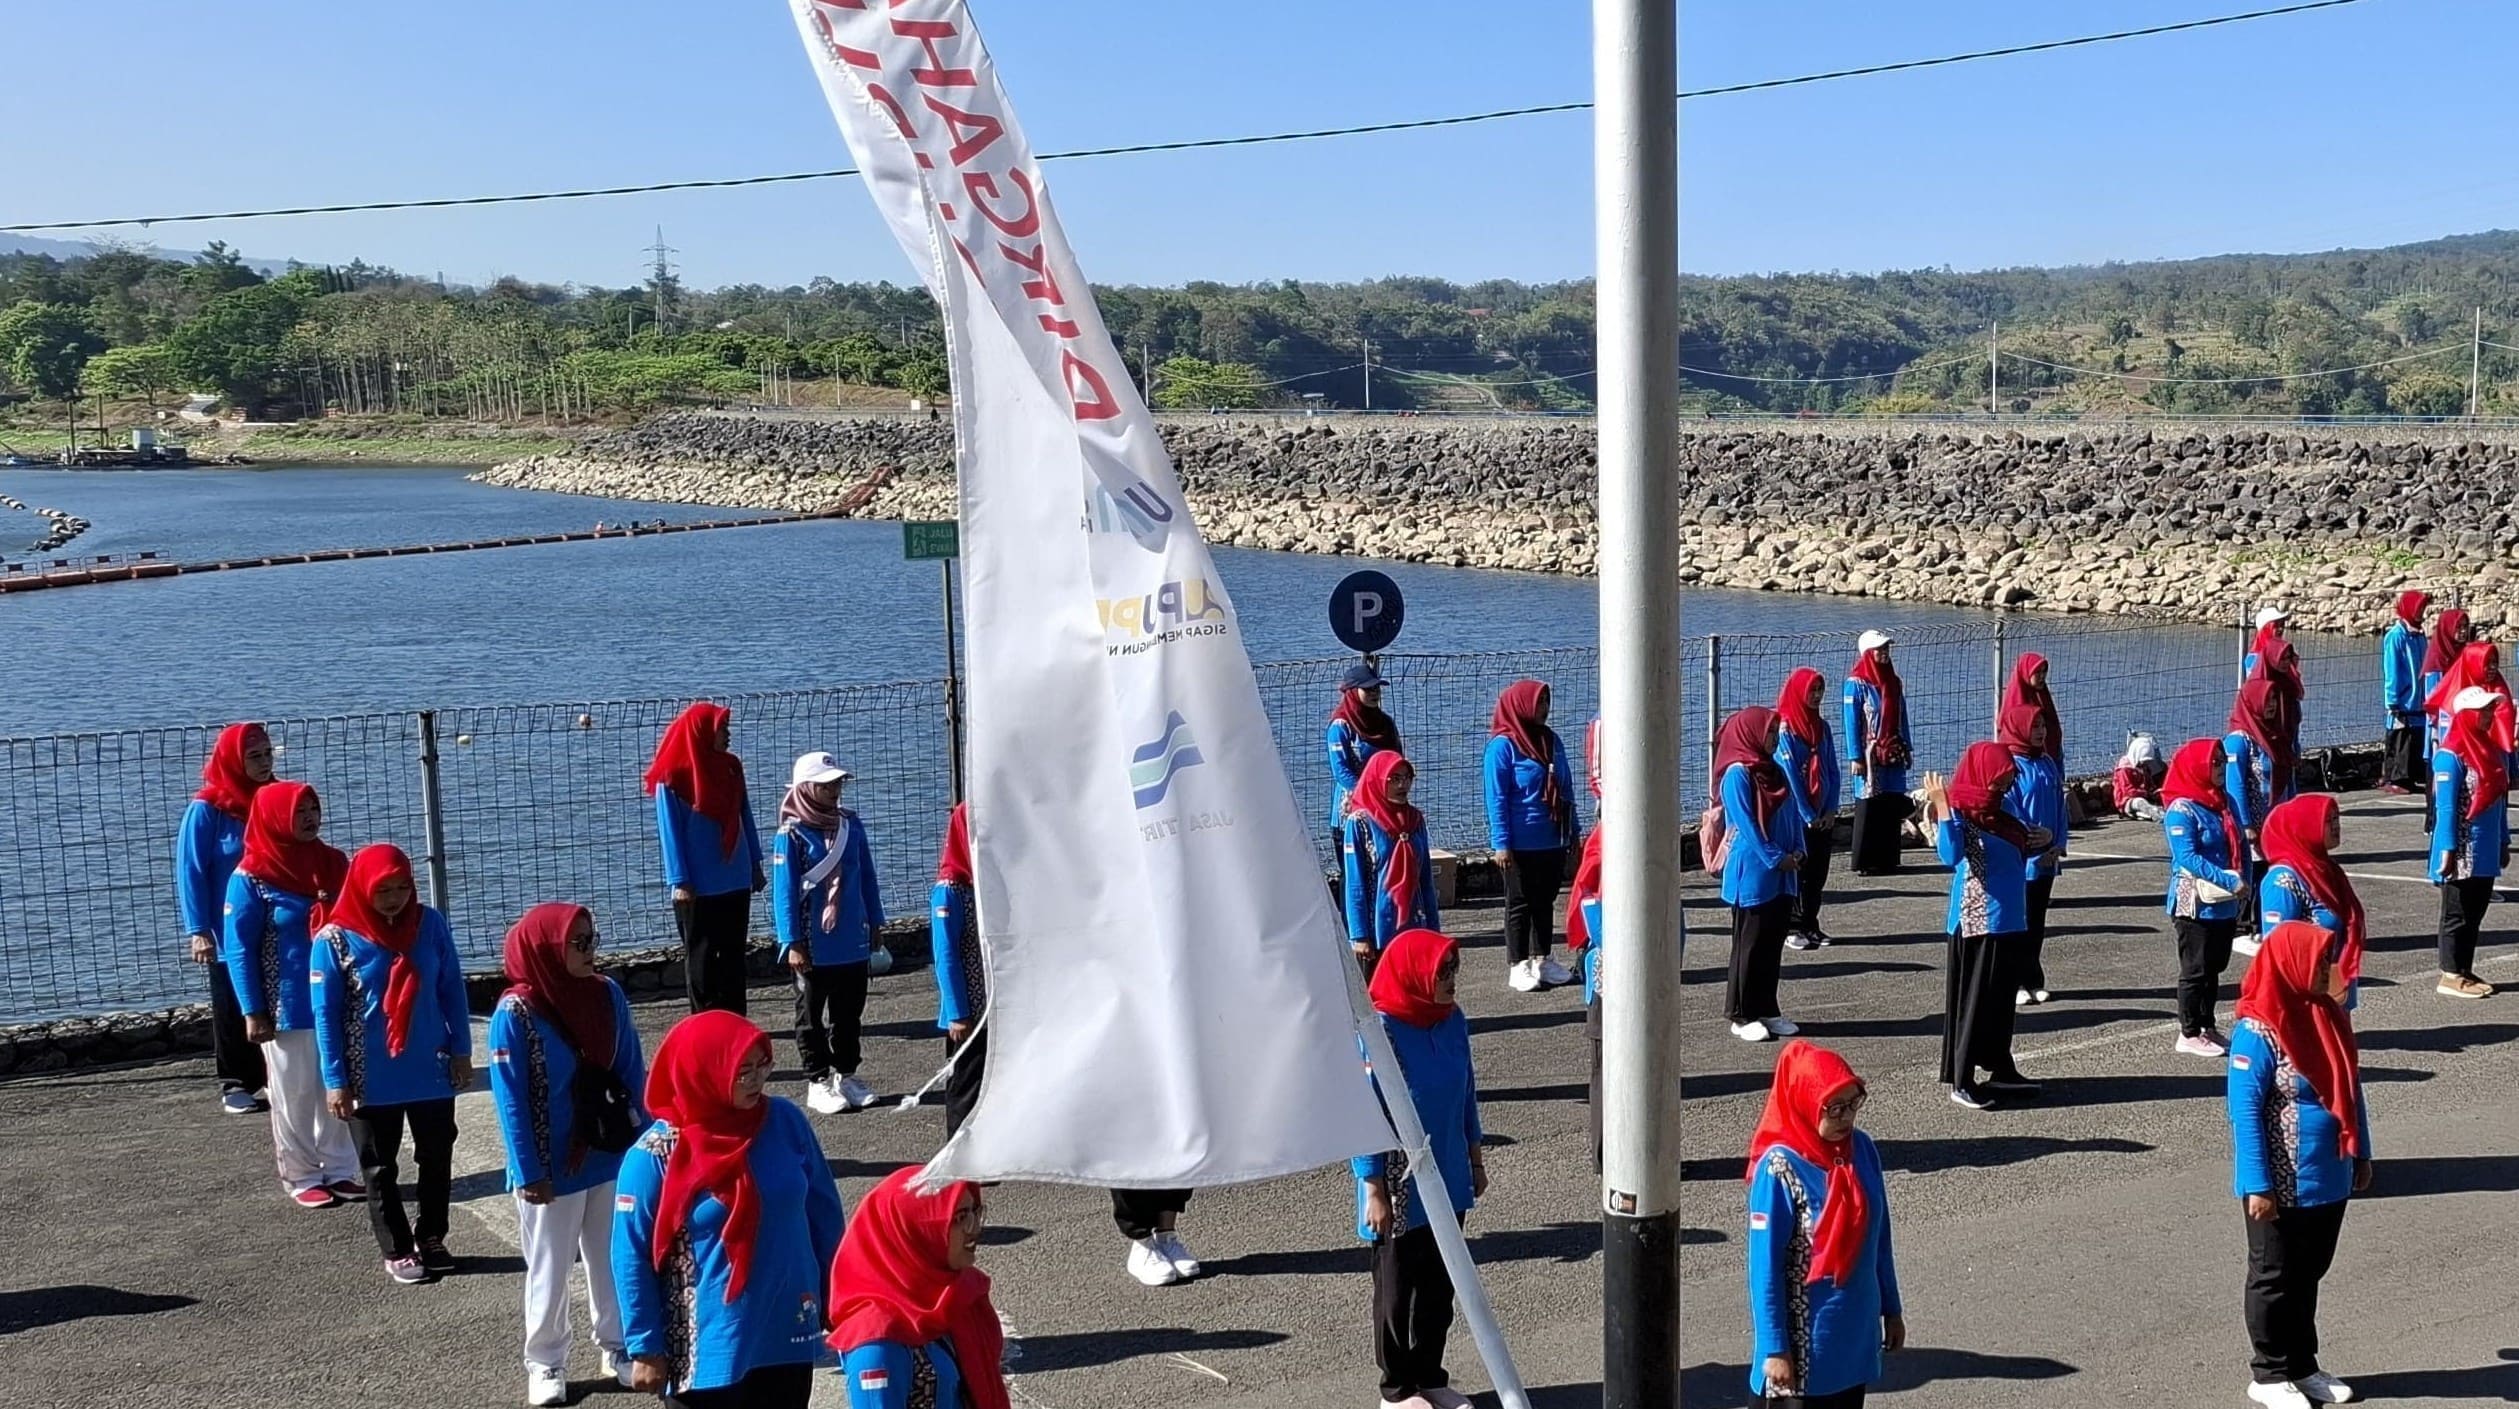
x=2376 y=123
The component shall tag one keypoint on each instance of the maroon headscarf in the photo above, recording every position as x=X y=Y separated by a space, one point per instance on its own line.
x=2024 y=691
x=1521 y=715
x=1977 y=789
x=2259 y=715
x=1744 y=741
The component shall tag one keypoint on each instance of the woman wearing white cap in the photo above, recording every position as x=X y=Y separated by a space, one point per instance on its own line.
x=2470 y=832
x=1879 y=747
x=822 y=887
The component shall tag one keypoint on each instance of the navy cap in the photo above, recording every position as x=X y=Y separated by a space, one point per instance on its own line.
x=1360 y=676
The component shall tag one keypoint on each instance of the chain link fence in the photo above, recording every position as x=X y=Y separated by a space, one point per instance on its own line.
x=540 y=802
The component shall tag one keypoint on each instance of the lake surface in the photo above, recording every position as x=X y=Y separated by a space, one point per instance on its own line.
x=552 y=668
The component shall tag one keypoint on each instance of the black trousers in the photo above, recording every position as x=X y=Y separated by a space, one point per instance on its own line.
x=1138 y=1211
x=1842 y=1399
x=715 y=930
x=2286 y=1260
x=1412 y=1313
x=962 y=1084
x=2203 y=952
x=1531 y=884
x=1749 y=993
x=2405 y=766
x=1876 y=838
x=2029 y=964
x=238 y=1062
x=1818 y=845
x=1980 y=976
x=770 y=1387
x=1592 y=1034
x=830 y=1010
x=2462 y=906
x=377 y=1131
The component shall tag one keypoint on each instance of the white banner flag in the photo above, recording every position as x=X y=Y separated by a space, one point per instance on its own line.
x=1166 y=1005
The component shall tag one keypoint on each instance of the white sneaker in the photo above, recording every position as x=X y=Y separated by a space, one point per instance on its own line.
x=1447 y=1399
x=1178 y=1253
x=1751 y=1031
x=2021 y=998
x=2279 y=1396
x=1783 y=1027
x=824 y=1096
x=1147 y=1263
x=2202 y=1045
x=617 y=1367
x=545 y=1385
x=2323 y=1388
x=2040 y=995
x=2245 y=945
x=1554 y=974
x=854 y=1094
x=1524 y=977
x=1800 y=942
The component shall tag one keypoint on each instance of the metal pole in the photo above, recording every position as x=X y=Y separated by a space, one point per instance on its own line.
x=1993 y=367
x=1635 y=175
x=2247 y=631
x=1714 y=706
x=953 y=688
x=1368 y=374
x=2002 y=624
x=2475 y=368
x=432 y=813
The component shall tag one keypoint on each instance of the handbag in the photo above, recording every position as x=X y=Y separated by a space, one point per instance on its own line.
x=607 y=1118
x=1714 y=838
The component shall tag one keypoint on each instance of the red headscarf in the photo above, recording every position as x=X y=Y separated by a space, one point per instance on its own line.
x=692 y=1087
x=2278 y=664
x=2445 y=645
x=2479 y=664
x=1802 y=717
x=537 y=964
x=1371 y=723
x=1744 y=741
x=1809 y=1076
x=1404 y=978
x=2281 y=991
x=2194 y=778
x=1371 y=798
x=1587 y=885
x=1883 y=676
x=1521 y=715
x=274 y=855
x=224 y=783
x=692 y=763
x=355 y=911
x=2410 y=605
x=1977 y=789
x=890 y=1283
x=953 y=864
x=2020 y=717
x=2485 y=750
x=2296 y=836
x=2258 y=713
x=2038 y=697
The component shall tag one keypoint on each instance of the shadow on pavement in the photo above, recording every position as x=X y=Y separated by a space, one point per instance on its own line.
x=1849 y=968
x=2438 y=1039
x=1923 y=1365
x=1995 y=1151
x=2490 y=1384
x=36 y=1307
x=1089 y=1348
x=2394 y=1074
x=1516 y=1022
x=2127 y=1090
x=2448 y=1174
x=1570 y=1091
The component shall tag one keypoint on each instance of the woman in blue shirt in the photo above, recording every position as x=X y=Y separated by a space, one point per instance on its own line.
x=1531 y=825
x=395 y=1034
x=2262 y=764
x=712 y=852
x=1879 y=748
x=2037 y=798
x=2300 y=1137
x=561 y=1038
x=1413 y=992
x=910 y=1311
x=1358 y=729
x=1390 y=866
x=265 y=934
x=2470 y=840
x=1988 y=851
x=2401 y=692
x=953 y=935
x=724 y=1227
x=207 y=844
x=2304 y=881
x=829 y=910
x=1762 y=851
x=1823 y=1284
x=1807 y=751
x=2207 y=851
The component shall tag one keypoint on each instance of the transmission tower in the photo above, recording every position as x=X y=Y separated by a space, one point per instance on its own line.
x=662 y=273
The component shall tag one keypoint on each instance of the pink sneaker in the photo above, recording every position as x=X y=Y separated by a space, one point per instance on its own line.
x=2202 y=1045
x=317 y=1197
x=348 y=1190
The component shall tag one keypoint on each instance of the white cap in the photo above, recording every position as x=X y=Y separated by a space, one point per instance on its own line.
x=2474 y=697
x=2267 y=616
x=816 y=768
x=1873 y=640
x=2142 y=749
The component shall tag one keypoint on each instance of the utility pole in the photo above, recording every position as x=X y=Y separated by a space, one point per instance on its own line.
x=662 y=272
x=1146 y=368
x=2475 y=369
x=1994 y=368
x=1635 y=180
x=1368 y=374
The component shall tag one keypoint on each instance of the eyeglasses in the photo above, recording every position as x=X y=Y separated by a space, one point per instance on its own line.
x=585 y=945
x=971 y=1217
x=1841 y=1110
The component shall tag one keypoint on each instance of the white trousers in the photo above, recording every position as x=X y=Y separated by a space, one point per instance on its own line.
x=571 y=1228
x=311 y=1145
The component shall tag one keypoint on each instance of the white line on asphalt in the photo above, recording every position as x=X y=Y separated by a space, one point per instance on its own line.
x=1218 y=1375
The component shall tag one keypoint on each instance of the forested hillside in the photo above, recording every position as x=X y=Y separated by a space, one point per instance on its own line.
x=2388 y=331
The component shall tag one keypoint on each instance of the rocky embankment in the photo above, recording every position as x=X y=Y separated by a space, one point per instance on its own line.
x=2189 y=523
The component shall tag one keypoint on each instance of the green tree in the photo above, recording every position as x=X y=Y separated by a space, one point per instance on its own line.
x=234 y=343
x=43 y=346
x=922 y=373
x=1191 y=383
x=2119 y=330
x=219 y=270
x=144 y=370
x=2428 y=394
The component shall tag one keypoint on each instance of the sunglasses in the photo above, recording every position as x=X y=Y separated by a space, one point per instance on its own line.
x=1840 y=1110
x=585 y=945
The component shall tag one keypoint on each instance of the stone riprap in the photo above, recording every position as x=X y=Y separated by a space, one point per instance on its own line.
x=2183 y=523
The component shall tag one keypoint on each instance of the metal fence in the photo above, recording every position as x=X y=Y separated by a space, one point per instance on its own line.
x=537 y=802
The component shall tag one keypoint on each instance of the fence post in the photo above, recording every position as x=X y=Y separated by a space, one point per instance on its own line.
x=1714 y=707
x=432 y=815
x=2002 y=628
x=2247 y=632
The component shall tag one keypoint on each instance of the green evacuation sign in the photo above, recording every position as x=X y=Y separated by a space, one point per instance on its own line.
x=931 y=538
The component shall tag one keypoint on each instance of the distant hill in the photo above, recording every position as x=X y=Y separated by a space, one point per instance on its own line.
x=82 y=249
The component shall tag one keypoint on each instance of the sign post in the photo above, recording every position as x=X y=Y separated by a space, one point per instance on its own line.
x=941 y=539
x=1366 y=612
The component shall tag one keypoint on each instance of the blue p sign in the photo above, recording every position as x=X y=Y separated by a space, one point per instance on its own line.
x=1365 y=611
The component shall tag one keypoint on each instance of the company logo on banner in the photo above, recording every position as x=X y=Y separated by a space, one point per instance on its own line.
x=1168 y=985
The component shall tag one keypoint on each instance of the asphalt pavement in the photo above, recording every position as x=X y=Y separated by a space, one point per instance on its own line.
x=2082 y=1249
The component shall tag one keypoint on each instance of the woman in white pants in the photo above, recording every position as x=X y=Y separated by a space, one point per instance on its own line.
x=565 y=1073
x=274 y=900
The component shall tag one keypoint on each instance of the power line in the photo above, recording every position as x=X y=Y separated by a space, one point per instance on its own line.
x=1203 y=143
x=1857 y=377
x=2231 y=381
